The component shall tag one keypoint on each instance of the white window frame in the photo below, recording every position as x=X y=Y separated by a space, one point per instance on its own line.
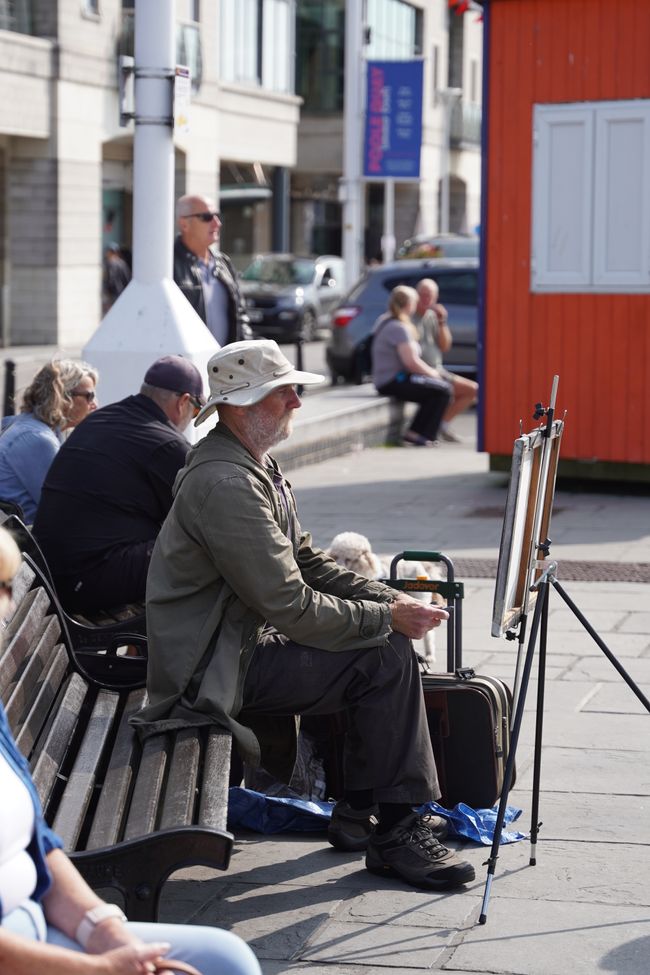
x=585 y=212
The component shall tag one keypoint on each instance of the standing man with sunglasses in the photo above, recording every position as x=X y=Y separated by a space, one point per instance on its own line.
x=204 y=274
x=109 y=489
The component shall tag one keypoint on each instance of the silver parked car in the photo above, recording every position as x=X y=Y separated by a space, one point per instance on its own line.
x=291 y=297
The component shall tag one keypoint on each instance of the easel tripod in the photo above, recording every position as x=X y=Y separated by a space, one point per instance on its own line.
x=539 y=624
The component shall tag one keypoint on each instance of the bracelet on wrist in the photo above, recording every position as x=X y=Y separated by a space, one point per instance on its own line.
x=93 y=917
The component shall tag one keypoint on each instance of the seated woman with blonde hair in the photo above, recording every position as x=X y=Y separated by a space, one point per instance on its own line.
x=398 y=369
x=59 y=397
x=50 y=919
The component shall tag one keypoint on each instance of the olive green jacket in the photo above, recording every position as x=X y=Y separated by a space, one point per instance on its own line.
x=231 y=557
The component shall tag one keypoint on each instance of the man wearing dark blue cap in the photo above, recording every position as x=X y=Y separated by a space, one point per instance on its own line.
x=110 y=488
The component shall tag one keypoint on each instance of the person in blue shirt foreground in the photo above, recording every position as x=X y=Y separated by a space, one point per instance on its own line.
x=50 y=919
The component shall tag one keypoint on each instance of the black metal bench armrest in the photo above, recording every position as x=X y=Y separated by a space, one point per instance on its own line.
x=138 y=868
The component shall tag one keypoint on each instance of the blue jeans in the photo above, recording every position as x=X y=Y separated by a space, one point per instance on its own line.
x=211 y=950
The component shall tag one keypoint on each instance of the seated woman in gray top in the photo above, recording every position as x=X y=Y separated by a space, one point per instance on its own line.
x=61 y=394
x=398 y=369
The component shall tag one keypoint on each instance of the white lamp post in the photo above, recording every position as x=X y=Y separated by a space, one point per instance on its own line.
x=151 y=317
x=351 y=188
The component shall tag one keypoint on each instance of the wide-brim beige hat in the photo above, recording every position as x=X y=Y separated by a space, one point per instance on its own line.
x=243 y=373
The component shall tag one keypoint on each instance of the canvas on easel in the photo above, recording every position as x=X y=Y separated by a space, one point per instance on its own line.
x=526 y=523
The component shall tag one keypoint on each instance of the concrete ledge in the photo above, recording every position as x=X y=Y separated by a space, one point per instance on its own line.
x=329 y=425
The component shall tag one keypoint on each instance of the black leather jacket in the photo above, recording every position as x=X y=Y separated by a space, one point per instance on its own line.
x=188 y=278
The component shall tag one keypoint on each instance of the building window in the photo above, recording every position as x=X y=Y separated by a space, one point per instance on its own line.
x=91 y=7
x=456 y=51
x=257 y=43
x=320 y=46
x=591 y=197
x=16 y=15
x=395 y=32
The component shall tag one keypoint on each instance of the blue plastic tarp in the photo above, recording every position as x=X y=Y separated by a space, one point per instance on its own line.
x=476 y=824
x=275 y=814
x=278 y=814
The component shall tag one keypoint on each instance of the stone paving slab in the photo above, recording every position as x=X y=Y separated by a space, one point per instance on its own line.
x=617 y=772
x=379 y=945
x=601 y=669
x=584 y=818
x=588 y=732
x=574 y=872
x=275 y=921
x=556 y=937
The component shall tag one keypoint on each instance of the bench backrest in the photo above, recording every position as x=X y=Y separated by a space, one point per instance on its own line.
x=98 y=785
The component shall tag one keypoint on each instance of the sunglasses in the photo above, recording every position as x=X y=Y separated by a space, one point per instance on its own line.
x=198 y=406
x=88 y=395
x=207 y=216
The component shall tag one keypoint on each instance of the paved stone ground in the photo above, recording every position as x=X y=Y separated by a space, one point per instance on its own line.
x=584 y=908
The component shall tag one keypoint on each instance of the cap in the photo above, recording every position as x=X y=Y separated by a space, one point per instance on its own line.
x=177 y=374
x=243 y=373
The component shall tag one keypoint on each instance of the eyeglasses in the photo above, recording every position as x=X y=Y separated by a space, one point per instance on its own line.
x=207 y=216
x=89 y=395
x=198 y=406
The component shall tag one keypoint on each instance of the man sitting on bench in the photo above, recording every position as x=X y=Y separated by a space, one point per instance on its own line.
x=109 y=489
x=249 y=624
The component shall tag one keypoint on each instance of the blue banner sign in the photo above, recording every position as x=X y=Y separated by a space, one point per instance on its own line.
x=393 y=136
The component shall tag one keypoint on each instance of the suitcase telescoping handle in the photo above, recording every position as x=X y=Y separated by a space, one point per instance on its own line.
x=451 y=590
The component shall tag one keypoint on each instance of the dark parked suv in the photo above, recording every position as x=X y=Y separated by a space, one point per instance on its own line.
x=291 y=297
x=354 y=317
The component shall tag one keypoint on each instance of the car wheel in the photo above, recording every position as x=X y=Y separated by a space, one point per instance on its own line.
x=308 y=325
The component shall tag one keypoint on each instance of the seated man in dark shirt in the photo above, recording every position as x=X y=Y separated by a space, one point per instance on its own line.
x=110 y=488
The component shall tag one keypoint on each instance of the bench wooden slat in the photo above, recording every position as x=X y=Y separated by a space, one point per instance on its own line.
x=70 y=815
x=45 y=691
x=180 y=792
x=55 y=745
x=105 y=830
x=32 y=674
x=148 y=786
x=213 y=810
x=21 y=634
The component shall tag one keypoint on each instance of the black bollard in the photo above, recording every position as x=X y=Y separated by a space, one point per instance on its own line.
x=8 y=405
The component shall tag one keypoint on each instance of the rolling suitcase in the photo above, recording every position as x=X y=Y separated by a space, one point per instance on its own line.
x=468 y=714
x=469 y=722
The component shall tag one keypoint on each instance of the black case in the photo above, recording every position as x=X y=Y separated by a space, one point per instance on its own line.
x=469 y=722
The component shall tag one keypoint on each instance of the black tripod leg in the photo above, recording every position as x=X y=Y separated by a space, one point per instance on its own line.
x=608 y=653
x=539 y=726
x=510 y=764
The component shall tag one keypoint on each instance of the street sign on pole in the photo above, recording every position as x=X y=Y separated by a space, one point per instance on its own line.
x=393 y=130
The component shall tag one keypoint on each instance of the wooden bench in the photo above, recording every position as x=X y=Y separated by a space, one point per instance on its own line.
x=129 y=814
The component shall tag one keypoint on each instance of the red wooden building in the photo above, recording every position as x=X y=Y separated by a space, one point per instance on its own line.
x=566 y=228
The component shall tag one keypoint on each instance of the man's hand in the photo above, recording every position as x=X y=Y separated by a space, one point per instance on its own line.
x=413 y=618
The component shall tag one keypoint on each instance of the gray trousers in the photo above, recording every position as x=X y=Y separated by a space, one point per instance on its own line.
x=388 y=746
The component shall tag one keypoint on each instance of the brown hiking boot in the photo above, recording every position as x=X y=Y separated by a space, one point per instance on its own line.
x=411 y=851
x=350 y=829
